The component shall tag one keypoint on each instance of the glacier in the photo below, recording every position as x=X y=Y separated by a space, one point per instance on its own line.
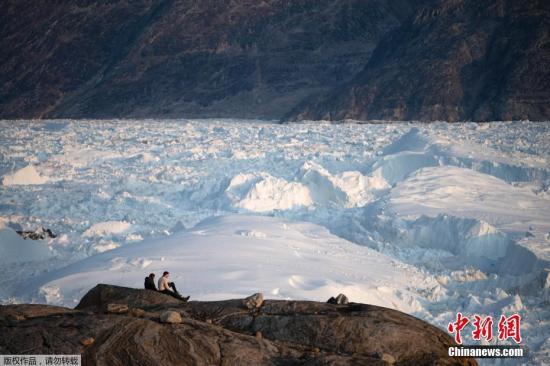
x=430 y=219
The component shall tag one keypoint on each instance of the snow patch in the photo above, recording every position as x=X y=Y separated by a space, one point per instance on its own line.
x=52 y=295
x=104 y=246
x=313 y=186
x=347 y=189
x=208 y=266
x=471 y=242
x=15 y=249
x=107 y=228
x=272 y=193
x=78 y=157
x=385 y=186
x=251 y=233
x=25 y=176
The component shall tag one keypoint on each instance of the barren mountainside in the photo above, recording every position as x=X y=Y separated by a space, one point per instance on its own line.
x=292 y=60
x=459 y=60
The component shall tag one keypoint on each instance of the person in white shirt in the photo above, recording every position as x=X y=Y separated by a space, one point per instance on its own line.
x=169 y=288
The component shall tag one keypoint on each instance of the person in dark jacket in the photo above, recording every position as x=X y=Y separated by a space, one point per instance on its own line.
x=150 y=282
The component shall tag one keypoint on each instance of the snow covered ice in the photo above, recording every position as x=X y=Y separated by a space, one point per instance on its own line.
x=429 y=219
x=229 y=256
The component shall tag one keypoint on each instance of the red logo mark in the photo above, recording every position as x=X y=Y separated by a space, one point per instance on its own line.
x=483 y=328
x=509 y=328
x=457 y=326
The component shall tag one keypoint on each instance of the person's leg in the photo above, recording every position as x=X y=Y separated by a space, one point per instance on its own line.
x=173 y=287
x=175 y=293
x=180 y=296
x=172 y=293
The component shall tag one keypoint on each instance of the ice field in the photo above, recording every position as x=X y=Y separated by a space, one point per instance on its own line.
x=429 y=219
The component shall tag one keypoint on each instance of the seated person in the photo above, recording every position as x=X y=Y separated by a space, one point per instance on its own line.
x=150 y=282
x=169 y=288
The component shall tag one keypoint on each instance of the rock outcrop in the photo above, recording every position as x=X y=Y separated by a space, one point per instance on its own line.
x=222 y=332
x=254 y=301
x=170 y=317
x=38 y=234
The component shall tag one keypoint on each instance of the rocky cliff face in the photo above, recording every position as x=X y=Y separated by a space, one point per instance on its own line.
x=150 y=58
x=303 y=59
x=457 y=60
x=121 y=326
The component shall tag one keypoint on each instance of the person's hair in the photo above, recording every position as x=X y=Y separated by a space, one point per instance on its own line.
x=165 y=273
x=151 y=275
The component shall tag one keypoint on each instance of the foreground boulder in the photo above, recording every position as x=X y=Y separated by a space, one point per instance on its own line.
x=254 y=301
x=171 y=317
x=222 y=332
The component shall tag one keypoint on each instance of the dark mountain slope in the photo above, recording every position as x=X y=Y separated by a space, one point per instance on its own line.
x=239 y=58
x=460 y=60
x=50 y=50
